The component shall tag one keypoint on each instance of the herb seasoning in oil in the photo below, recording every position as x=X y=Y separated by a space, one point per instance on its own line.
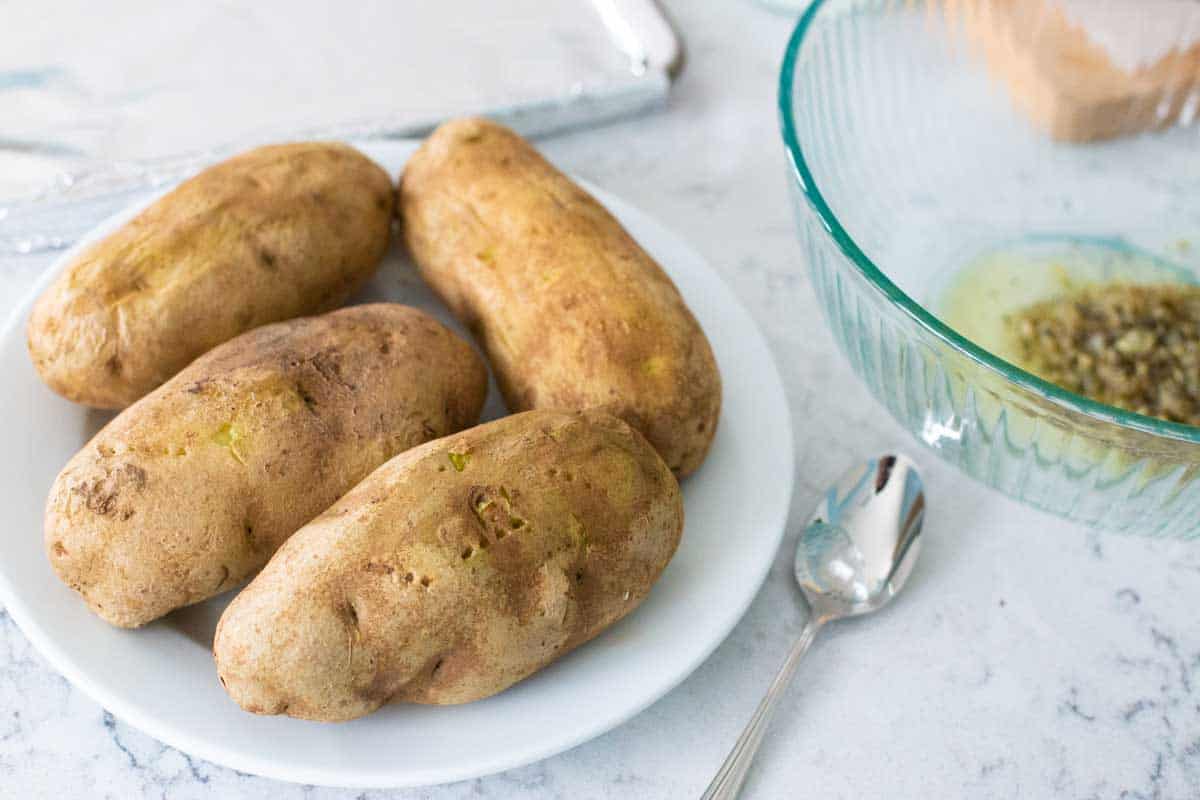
x=1132 y=346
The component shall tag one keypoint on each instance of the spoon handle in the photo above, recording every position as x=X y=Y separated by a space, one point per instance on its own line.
x=728 y=780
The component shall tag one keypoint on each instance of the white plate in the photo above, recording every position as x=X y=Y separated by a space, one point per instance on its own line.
x=161 y=678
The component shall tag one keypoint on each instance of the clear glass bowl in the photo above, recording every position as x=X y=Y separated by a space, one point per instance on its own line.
x=910 y=159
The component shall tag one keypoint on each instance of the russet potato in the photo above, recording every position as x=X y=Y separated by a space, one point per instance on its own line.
x=455 y=570
x=275 y=233
x=571 y=312
x=190 y=491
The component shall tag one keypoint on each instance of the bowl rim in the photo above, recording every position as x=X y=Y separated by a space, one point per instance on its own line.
x=876 y=277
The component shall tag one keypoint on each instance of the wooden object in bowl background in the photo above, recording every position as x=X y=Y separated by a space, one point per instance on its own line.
x=1085 y=70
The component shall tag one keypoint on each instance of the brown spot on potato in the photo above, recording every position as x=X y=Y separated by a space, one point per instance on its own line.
x=268 y=261
x=59 y=550
x=328 y=365
x=306 y=397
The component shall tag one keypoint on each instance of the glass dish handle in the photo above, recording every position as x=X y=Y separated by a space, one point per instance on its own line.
x=58 y=217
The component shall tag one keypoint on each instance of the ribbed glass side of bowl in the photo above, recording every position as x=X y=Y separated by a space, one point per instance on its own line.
x=866 y=207
x=1004 y=435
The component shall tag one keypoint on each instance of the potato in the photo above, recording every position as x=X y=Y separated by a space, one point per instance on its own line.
x=570 y=310
x=190 y=490
x=272 y=234
x=455 y=570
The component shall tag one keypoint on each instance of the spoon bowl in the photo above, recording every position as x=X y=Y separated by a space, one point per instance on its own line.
x=862 y=541
x=854 y=555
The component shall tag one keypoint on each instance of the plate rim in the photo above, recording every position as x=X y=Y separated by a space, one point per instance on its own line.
x=179 y=738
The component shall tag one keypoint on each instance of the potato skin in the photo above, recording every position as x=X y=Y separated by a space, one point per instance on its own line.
x=455 y=570
x=191 y=490
x=571 y=312
x=275 y=233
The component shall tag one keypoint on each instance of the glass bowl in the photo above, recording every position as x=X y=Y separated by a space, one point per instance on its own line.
x=913 y=156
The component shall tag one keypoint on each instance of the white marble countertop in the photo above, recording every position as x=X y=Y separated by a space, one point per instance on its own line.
x=1027 y=658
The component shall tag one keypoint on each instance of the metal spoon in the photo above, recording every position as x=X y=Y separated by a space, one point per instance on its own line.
x=853 y=557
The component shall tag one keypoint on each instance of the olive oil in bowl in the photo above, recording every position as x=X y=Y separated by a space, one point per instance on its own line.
x=1095 y=317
